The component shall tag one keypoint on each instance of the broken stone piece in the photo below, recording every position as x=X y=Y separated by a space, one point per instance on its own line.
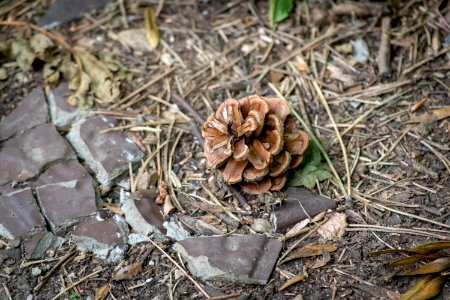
x=142 y=214
x=66 y=194
x=32 y=111
x=62 y=113
x=23 y=157
x=107 y=154
x=237 y=258
x=104 y=234
x=36 y=245
x=299 y=204
x=19 y=214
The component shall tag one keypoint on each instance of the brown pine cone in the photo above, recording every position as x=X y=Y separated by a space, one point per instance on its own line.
x=254 y=141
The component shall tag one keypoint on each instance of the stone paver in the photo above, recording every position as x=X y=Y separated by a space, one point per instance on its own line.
x=32 y=111
x=238 y=258
x=35 y=246
x=19 y=214
x=62 y=113
x=66 y=194
x=23 y=157
x=106 y=154
x=299 y=204
x=104 y=234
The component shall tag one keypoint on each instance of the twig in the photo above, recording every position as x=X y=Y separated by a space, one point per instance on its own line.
x=242 y=200
x=188 y=108
x=77 y=283
x=47 y=276
x=7 y=291
x=180 y=268
x=384 y=53
x=424 y=61
x=313 y=137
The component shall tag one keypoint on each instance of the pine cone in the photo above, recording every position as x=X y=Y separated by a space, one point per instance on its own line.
x=254 y=142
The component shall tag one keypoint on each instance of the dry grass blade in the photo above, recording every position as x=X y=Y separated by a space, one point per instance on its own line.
x=436 y=266
x=151 y=28
x=426 y=288
x=291 y=281
x=406 y=261
x=312 y=249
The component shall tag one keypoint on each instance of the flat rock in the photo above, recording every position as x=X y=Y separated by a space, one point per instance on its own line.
x=66 y=194
x=107 y=154
x=35 y=246
x=62 y=113
x=23 y=157
x=246 y=259
x=143 y=214
x=104 y=234
x=298 y=205
x=19 y=214
x=32 y=111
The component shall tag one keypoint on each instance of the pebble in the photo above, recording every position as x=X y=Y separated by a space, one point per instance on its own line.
x=261 y=225
x=36 y=272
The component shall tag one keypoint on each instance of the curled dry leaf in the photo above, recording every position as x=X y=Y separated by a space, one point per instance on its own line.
x=102 y=292
x=318 y=263
x=291 y=281
x=162 y=186
x=426 y=288
x=436 y=266
x=253 y=142
x=128 y=271
x=334 y=228
x=435 y=115
x=297 y=229
x=312 y=249
x=168 y=206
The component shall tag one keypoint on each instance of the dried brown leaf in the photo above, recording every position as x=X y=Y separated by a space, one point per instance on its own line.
x=436 y=115
x=320 y=262
x=425 y=288
x=334 y=228
x=431 y=247
x=291 y=281
x=436 y=266
x=102 y=292
x=114 y=209
x=406 y=261
x=128 y=271
x=312 y=249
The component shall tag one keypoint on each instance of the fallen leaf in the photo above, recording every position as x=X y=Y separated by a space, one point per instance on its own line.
x=422 y=249
x=435 y=115
x=436 y=266
x=334 y=228
x=297 y=229
x=291 y=281
x=151 y=28
x=320 y=262
x=337 y=73
x=312 y=249
x=301 y=64
x=102 y=292
x=128 y=271
x=23 y=54
x=40 y=43
x=279 y=10
x=114 y=209
x=425 y=288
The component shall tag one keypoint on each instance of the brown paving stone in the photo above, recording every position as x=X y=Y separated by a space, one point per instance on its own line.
x=66 y=194
x=299 y=204
x=236 y=258
x=32 y=111
x=104 y=234
x=23 y=157
x=19 y=214
x=106 y=154
x=62 y=113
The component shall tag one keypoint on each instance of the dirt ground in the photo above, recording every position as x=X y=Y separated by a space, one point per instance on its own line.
x=221 y=49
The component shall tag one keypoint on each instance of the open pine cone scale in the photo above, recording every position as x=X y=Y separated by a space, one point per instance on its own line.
x=253 y=142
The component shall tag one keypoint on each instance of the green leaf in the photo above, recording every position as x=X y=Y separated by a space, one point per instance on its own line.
x=73 y=296
x=310 y=170
x=279 y=10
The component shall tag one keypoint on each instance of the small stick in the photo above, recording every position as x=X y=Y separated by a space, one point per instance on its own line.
x=240 y=197
x=69 y=253
x=187 y=107
x=384 y=52
x=77 y=283
x=180 y=268
x=7 y=291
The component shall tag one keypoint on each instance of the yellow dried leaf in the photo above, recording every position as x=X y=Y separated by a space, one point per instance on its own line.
x=436 y=266
x=128 y=271
x=312 y=249
x=291 y=281
x=102 y=292
x=426 y=288
x=151 y=27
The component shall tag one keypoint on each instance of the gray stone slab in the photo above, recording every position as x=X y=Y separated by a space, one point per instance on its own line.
x=66 y=194
x=246 y=259
x=298 y=205
x=143 y=215
x=104 y=234
x=23 y=157
x=107 y=154
x=62 y=113
x=36 y=246
x=32 y=111
x=19 y=214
